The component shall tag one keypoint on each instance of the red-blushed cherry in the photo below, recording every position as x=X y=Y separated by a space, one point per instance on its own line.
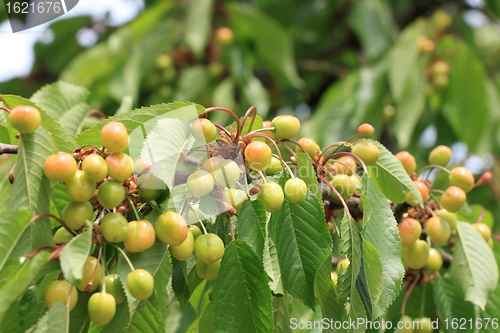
x=25 y=118
x=60 y=167
x=114 y=137
x=171 y=228
x=141 y=236
x=258 y=155
x=285 y=126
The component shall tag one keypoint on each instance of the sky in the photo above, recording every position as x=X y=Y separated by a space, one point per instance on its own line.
x=17 y=62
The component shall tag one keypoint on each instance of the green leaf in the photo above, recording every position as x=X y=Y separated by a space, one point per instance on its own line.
x=282 y=315
x=241 y=294
x=139 y=122
x=451 y=305
x=410 y=106
x=391 y=178
x=307 y=173
x=11 y=322
x=331 y=305
x=351 y=246
x=492 y=309
x=223 y=95
x=74 y=255
x=473 y=214
x=271 y=264
x=473 y=270
x=251 y=225
x=380 y=229
x=31 y=189
x=20 y=279
x=199 y=18
x=373 y=22
x=58 y=134
x=150 y=260
x=56 y=320
x=403 y=58
x=373 y=271
x=148 y=319
x=79 y=320
x=64 y=101
x=164 y=148
x=303 y=243
x=273 y=43
x=193 y=82
x=466 y=91
x=13 y=223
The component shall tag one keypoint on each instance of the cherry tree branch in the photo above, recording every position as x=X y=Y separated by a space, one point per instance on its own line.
x=7 y=149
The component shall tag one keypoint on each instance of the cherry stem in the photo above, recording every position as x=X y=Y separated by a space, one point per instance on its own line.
x=481 y=216
x=247 y=114
x=432 y=166
x=339 y=144
x=32 y=254
x=5 y=109
x=287 y=167
x=224 y=129
x=261 y=176
x=202 y=226
x=408 y=293
x=238 y=123
x=125 y=257
x=55 y=218
x=496 y=237
x=99 y=149
x=133 y=208
x=263 y=130
x=11 y=173
x=349 y=154
x=7 y=149
x=230 y=227
x=97 y=112
x=342 y=201
x=99 y=258
x=103 y=265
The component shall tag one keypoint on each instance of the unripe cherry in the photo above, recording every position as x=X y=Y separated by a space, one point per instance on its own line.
x=286 y=127
x=310 y=146
x=120 y=166
x=234 y=197
x=408 y=161
x=409 y=231
x=114 y=137
x=204 y=130
x=453 y=199
x=483 y=229
x=295 y=190
x=79 y=187
x=344 y=185
x=441 y=155
x=59 y=290
x=274 y=168
x=461 y=177
x=434 y=262
x=25 y=118
x=200 y=183
x=438 y=230
x=424 y=192
x=258 y=155
x=366 y=129
x=345 y=165
x=417 y=254
x=272 y=195
x=95 y=167
x=366 y=151
x=60 y=167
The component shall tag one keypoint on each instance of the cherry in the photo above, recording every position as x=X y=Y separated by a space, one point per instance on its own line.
x=212 y=163
x=424 y=192
x=367 y=151
x=366 y=129
x=204 y=130
x=200 y=183
x=227 y=173
x=184 y=250
x=79 y=187
x=461 y=177
x=59 y=290
x=453 y=199
x=140 y=236
x=416 y=255
x=194 y=214
x=114 y=137
x=491 y=244
x=95 y=168
x=440 y=67
x=114 y=227
x=114 y=287
x=438 y=230
x=345 y=165
x=111 y=193
x=344 y=185
x=408 y=161
x=258 y=155
x=89 y=271
x=407 y=324
x=25 y=118
x=449 y=217
x=150 y=187
x=140 y=284
x=234 y=197
x=60 y=167
x=285 y=126
x=224 y=36
x=209 y=248
x=120 y=166
x=62 y=236
x=102 y=308
x=483 y=229
x=441 y=155
x=342 y=265
x=435 y=261
x=207 y=271
x=272 y=195
x=409 y=231
x=171 y=228
x=75 y=214
x=140 y=165
x=357 y=183
x=274 y=167
x=195 y=230
x=310 y=146
x=422 y=325
x=295 y=190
